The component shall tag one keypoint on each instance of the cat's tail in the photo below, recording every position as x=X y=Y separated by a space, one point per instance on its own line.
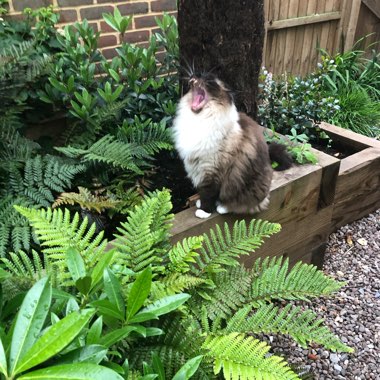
x=278 y=155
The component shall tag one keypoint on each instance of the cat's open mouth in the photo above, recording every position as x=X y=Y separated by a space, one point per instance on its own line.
x=199 y=96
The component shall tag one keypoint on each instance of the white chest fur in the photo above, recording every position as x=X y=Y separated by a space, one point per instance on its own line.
x=200 y=136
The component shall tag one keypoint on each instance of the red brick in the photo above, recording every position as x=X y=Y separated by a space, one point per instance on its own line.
x=163 y=5
x=137 y=36
x=105 y=28
x=133 y=8
x=19 y=6
x=95 y=13
x=145 y=22
x=74 y=3
x=109 y=40
x=68 y=15
x=109 y=53
x=94 y=26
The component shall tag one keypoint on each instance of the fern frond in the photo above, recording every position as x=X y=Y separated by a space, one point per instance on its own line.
x=57 y=232
x=86 y=200
x=303 y=282
x=230 y=290
x=39 y=176
x=175 y=283
x=106 y=150
x=242 y=357
x=223 y=247
x=143 y=239
x=184 y=253
x=147 y=136
x=302 y=325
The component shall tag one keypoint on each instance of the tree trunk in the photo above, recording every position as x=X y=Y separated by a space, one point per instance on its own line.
x=225 y=37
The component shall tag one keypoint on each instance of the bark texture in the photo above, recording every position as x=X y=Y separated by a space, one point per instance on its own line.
x=225 y=37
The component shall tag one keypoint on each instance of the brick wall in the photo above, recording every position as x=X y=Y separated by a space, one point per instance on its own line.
x=142 y=26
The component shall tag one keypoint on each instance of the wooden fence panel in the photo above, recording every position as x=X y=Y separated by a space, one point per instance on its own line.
x=296 y=28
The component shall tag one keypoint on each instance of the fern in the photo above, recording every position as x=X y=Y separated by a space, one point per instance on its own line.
x=132 y=149
x=86 y=200
x=25 y=271
x=230 y=290
x=302 y=325
x=223 y=247
x=303 y=282
x=143 y=238
x=245 y=358
x=184 y=253
x=57 y=232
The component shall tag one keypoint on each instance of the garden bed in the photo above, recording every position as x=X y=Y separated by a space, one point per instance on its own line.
x=310 y=201
x=357 y=191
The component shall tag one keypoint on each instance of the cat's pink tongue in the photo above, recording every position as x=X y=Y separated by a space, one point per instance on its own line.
x=197 y=102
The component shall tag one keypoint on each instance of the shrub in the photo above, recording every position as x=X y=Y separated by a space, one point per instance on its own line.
x=344 y=89
x=119 y=115
x=148 y=301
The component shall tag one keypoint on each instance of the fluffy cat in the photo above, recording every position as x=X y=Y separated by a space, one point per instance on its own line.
x=224 y=151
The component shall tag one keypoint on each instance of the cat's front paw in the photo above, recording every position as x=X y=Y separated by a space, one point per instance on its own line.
x=220 y=209
x=202 y=214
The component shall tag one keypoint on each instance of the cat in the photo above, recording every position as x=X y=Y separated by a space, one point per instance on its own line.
x=224 y=152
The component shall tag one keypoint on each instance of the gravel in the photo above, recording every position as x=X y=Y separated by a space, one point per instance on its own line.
x=353 y=314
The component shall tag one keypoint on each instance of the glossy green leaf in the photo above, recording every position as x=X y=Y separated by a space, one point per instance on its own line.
x=188 y=369
x=142 y=317
x=153 y=331
x=97 y=273
x=113 y=290
x=158 y=367
x=83 y=284
x=93 y=353
x=75 y=263
x=167 y=304
x=117 y=335
x=29 y=321
x=78 y=371
x=55 y=339
x=72 y=305
x=3 y=360
x=107 y=308
x=95 y=331
x=139 y=292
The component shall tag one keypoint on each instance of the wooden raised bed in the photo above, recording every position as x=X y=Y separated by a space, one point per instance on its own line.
x=301 y=200
x=309 y=201
x=358 y=186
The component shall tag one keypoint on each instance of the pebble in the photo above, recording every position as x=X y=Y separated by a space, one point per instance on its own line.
x=353 y=314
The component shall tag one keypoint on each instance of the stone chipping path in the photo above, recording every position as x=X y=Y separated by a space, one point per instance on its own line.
x=353 y=255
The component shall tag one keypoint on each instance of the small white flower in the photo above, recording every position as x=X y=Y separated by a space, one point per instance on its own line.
x=265 y=72
x=332 y=61
x=319 y=64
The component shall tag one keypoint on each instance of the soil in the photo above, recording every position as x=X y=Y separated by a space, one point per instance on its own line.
x=170 y=174
x=335 y=149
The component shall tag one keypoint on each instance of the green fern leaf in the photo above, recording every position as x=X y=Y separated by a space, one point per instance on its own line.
x=143 y=239
x=302 y=326
x=224 y=247
x=241 y=357
x=57 y=232
x=184 y=253
x=303 y=282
